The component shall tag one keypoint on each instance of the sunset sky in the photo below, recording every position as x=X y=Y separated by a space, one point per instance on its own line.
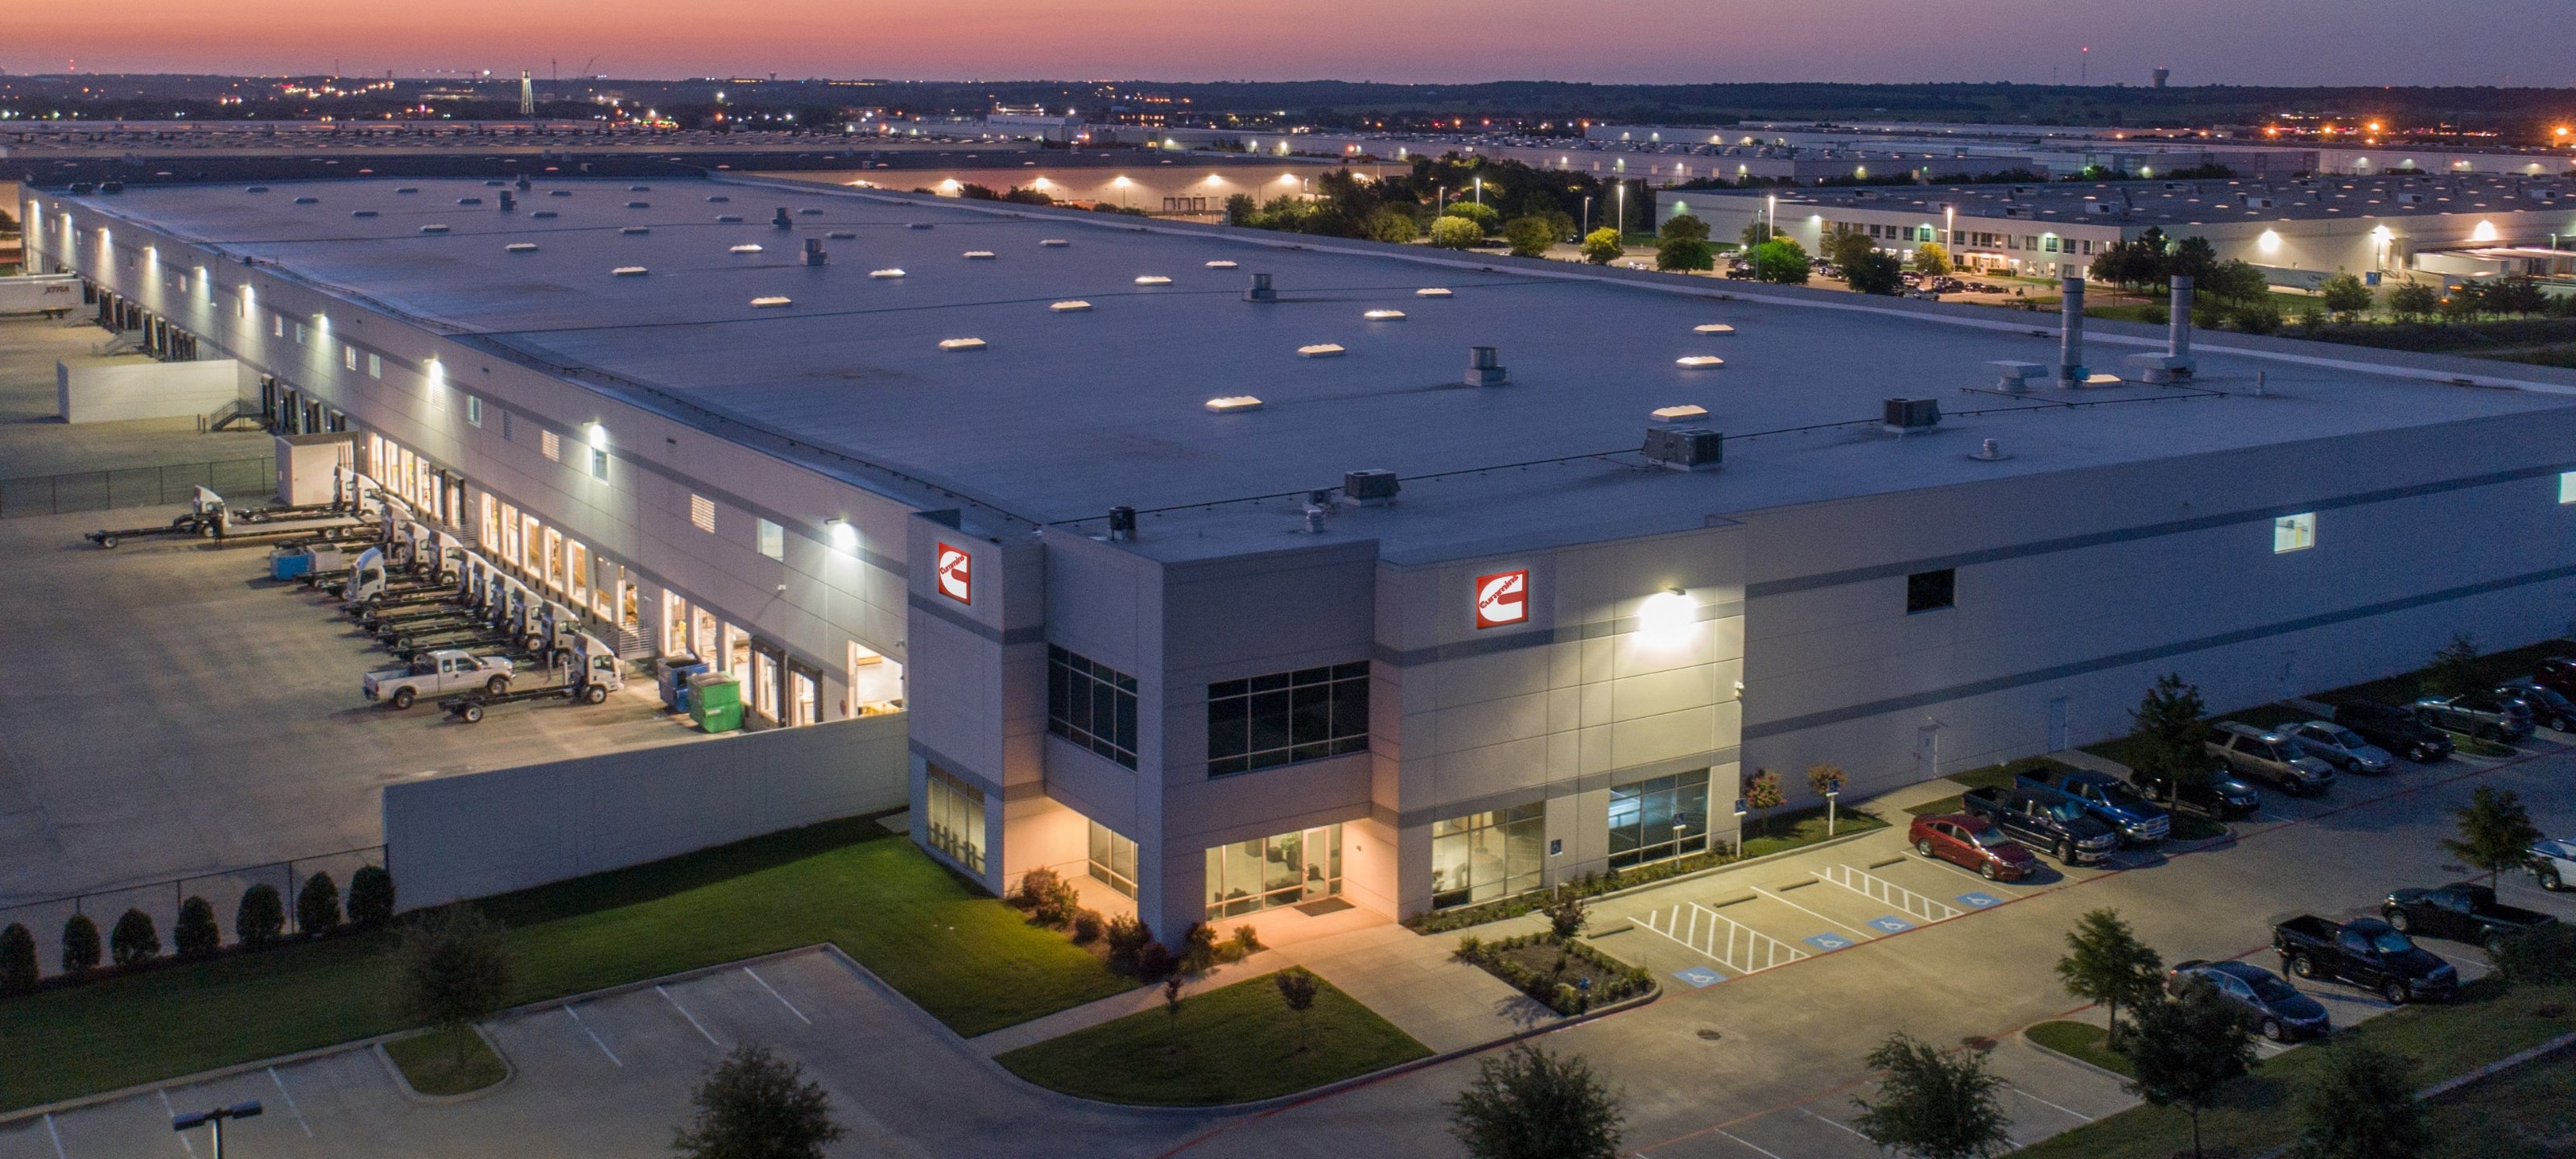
x=2470 y=42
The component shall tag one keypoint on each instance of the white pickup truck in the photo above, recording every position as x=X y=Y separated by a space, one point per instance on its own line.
x=436 y=674
x=2553 y=863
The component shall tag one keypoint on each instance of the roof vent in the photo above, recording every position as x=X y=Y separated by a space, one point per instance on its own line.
x=1713 y=328
x=308 y=201
x=636 y=229
x=1431 y=292
x=1053 y=242
x=1153 y=280
x=1384 y=315
x=543 y=213
x=1684 y=448
x=1220 y=264
x=2014 y=377
x=1375 y=487
x=1679 y=414
x=956 y=344
x=748 y=248
x=814 y=255
x=520 y=247
x=782 y=219
x=1233 y=404
x=639 y=189
x=771 y=301
x=1070 y=306
x=888 y=272
x=719 y=197
x=639 y=205
x=1699 y=362
x=1320 y=350
x=363 y=213
x=494 y=183
x=558 y=193
x=729 y=218
x=628 y=272
x=1485 y=367
x=407 y=189
x=842 y=234
x=1261 y=291
x=979 y=255
x=810 y=211
x=469 y=201
x=433 y=229
x=1912 y=414
x=918 y=225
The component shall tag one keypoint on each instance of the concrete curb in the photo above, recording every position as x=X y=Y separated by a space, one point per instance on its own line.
x=402 y=1082
x=2499 y=1066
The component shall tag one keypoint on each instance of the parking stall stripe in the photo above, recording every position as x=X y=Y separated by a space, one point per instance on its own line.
x=56 y=1136
x=2043 y=1102
x=1748 y=1146
x=289 y=1096
x=782 y=999
x=693 y=1019
x=1811 y=913
x=594 y=1036
x=174 y=1115
x=1838 y=1123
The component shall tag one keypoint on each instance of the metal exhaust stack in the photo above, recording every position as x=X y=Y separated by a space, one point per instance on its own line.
x=1261 y=291
x=2175 y=364
x=2070 y=338
x=814 y=255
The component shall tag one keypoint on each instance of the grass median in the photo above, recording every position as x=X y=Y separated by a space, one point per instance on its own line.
x=447 y=1062
x=971 y=961
x=1234 y=1044
x=2488 y=1022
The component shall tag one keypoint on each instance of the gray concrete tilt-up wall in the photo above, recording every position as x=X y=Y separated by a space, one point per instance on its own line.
x=478 y=834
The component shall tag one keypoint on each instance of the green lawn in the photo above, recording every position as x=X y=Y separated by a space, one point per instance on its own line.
x=1229 y=1045
x=1989 y=777
x=1785 y=831
x=2527 y=1114
x=2081 y=1040
x=447 y=1062
x=2489 y=1022
x=971 y=961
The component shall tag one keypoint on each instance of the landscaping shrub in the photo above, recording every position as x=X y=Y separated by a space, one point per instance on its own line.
x=1589 y=885
x=1198 y=948
x=80 y=945
x=1153 y=961
x=1565 y=915
x=371 y=898
x=260 y=918
x=196 y=937
x=17 y=960
x=1128 y=938
x=1049 y=898
x=134 y=941
x=1246 y=942
x=317 y=907
x=1555 y=987
x=1086 y=926
x=2545 y=955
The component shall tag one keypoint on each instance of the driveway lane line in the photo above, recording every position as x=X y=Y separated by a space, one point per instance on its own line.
x=289 y=1096
x=594 y=1036
x=782 y=999
x=174 y=1117
x=1871 y=935
x=56 y=1136
x=684 y=1013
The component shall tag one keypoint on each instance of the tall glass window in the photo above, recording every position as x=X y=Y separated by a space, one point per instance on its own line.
x=1658 y=819
x=1287 y=717
x=956 y=821
x=1286 y=869
x=1092 y=705
x=1113 y=859
x=1484 y=856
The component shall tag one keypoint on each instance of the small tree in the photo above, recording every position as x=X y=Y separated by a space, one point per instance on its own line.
x=2543 y=955
x=2361 y=1105
x=1755 y=233
x=1874 y=273
x=1680 y=226
x=1529 y=236
x=1847 y=248
x=2414 y=301
x=1535 y=1104
x=451 y=970
x=371 y=898
x=317 y=906
x=2256 y=316
x=2168 y=737
x=1934 y=1104
x=1452 y=232
x=134 y=941
x=2457 y=668
x=755 y=1105
x=1391 y=224
x=260 y=918
x=17 y=960
x=80 y=945
x=1932 y=259
x=1565 y=914
x=2344 y=296
x=1198 y=949
x=1762 y=794
x=1684 y=254
x=1781 y=260
x=1297 y=989
x=2496 y=833
x=1485 y=217
x=1601 y=246
x=2185 y=1051
x=196 y=936
x=1128 y=938
x=2106 y=963
x=1826 y=781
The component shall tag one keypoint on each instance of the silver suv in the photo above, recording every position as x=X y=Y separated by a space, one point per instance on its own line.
x=2271 y=757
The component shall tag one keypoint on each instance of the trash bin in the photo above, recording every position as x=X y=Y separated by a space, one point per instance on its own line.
x=715 y=702
x=673 y=677
x=283 y=564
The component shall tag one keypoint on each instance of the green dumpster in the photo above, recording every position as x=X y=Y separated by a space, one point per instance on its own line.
x=715 y=702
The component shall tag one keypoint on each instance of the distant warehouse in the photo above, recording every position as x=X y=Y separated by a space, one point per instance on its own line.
x=1243 y=571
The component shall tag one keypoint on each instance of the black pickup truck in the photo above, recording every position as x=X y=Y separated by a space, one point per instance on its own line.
x=2043 y=818
x=2461 y=913
x=2365 y=952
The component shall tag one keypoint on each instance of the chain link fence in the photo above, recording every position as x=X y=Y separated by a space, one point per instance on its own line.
x=160 y=901
x=135 y=487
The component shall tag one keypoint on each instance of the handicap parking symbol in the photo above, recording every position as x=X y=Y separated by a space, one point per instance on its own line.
x=1891 y=924
x=1979 y=900
x=1829 y=941
x=1700 y=976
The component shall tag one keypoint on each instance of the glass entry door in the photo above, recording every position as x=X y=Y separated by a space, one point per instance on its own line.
x=1284 y=869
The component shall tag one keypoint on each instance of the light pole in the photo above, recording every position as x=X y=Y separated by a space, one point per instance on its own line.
x=215 y=1118
x=1623 y=215
x=1830 y=795
x=1587 y=216
x=1480 y=191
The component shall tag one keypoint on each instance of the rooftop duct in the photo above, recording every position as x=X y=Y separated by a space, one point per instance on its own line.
x=509 y=201
x=1684 y=448
x=1374 y=487
x=782 y=220
x=1912 y=414
x=1485 y=367
x=814 y=255
x=2070 y=335
x=1261 y=291
x=2176 y=362
x=1122 y=524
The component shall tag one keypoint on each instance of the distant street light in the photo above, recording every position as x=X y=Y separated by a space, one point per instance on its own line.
x=215 y=1118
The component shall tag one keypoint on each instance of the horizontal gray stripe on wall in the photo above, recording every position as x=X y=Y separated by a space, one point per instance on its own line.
x=2143 y=655
x=963 y=772
x=1515 y=641
x=2144 y=531
x=1034 y=634
x=1588 y=783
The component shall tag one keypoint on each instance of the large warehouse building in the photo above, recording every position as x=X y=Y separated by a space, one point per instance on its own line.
x=1243 y=570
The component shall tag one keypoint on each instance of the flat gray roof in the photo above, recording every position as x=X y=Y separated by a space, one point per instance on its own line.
x=1063 y=414
x=2150 y=201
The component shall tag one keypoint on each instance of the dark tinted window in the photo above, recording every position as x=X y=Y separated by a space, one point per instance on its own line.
x=1092 y=705
x=1927 y=591
x=1286 y=717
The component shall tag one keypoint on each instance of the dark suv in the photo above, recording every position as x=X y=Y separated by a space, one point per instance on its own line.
x=2548 y=709
x=2395 y=729
x=2221 y=795
x=2483 y=715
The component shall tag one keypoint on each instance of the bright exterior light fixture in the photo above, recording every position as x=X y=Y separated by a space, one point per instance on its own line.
x=953 y=344
x=751 y=248
x=1384 y=315
x=1713 y=328
x=1220 y=264
x=1666 y=617
x=1678 y=414
x=1699 y=362
x=2270 y=242
x=979 y=255
x=1153 y=280
x=771 y=301
x=1070 y=306
x=885 y=273
x=1233 y=404
x=844 y=536
x=1431 y=292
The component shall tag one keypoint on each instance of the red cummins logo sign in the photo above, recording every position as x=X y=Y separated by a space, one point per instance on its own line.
x=1502 y=598
x=956 y=579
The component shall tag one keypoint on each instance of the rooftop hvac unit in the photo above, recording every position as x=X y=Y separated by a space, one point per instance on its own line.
x=1261 y=291
x=2253 y=202
x=1912 y=414
x=718 y=197
x=1684 y=448
x=2103 y=208
x=1370 y=488
x=307 y=200
x=1485 y=367
x=2017 y=211
x=782 y=220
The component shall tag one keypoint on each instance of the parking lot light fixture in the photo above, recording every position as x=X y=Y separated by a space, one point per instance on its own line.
x=215 y=1118
x=1830 y=796
x=1665 y=618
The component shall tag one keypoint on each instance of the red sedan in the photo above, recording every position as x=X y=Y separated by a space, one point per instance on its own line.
x=1964 y=840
